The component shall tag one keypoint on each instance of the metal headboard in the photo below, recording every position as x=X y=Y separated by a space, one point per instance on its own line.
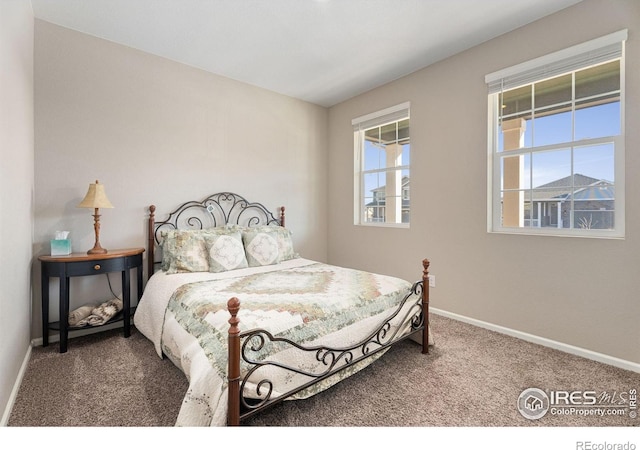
x=223 y=208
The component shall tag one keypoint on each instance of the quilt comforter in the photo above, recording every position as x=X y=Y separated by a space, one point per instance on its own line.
x=310 y=303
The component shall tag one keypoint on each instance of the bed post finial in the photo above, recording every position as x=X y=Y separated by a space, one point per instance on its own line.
x=233 y=305
x=425 y=270
x=282 y=216
x=425 y=305
x=233 y=374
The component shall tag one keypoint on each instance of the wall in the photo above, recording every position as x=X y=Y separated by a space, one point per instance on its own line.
x=576 y=291
x=157 y=132
x=16 y=190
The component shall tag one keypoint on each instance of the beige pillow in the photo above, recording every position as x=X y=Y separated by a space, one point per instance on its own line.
x=185 y=250
x=225 y=252
x=261 y=246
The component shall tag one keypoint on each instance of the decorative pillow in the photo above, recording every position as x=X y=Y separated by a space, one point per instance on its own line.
x=168 y=248
x=185 y=250
x=226 y=252
x=231 y=228
x=285 y=244
x=261 y=246
x=284 y=239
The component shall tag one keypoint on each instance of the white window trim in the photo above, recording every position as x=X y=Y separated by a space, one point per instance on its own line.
x=390 y=114
x=387 y=115
x=560 y=60
x=537 y=66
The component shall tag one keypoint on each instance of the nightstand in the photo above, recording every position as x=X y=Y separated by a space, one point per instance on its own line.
x=82 y=264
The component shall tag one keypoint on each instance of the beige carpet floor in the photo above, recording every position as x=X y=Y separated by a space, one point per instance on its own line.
x=471 y=378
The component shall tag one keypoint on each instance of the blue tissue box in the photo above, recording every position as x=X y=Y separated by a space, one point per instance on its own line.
x=60 y=247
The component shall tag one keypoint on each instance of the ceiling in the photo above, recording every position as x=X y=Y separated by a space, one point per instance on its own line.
x=320 y=51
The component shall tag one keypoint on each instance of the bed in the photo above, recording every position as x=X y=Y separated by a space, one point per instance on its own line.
x=252 y=323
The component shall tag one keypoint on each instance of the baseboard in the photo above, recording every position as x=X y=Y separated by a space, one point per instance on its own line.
x=578 y=351
x=16 y=387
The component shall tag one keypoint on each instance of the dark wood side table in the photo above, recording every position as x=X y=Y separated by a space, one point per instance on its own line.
x=81 y=264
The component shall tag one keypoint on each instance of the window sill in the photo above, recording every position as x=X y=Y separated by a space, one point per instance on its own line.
x=383 y=225
x=594 y=234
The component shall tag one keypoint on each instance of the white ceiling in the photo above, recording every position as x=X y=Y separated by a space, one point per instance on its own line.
x=321 y=51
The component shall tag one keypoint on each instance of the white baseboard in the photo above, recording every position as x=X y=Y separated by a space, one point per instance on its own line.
x=16 y=387
x=578 y=351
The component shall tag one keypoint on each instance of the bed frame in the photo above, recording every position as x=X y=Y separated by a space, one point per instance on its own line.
x=228 y=208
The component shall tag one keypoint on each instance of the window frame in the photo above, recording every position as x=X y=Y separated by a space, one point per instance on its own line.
x=360 y=124
x=532 y=72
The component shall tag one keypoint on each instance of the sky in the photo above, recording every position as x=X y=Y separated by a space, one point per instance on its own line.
x=596 y=161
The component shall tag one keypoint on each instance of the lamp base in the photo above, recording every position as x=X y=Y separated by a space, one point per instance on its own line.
x=97 y=251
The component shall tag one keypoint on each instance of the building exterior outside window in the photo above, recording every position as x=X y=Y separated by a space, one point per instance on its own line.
x=556 y=143
x=382 y=151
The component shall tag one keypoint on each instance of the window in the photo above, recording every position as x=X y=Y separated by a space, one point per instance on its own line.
x=382 y=160
x=556 y=143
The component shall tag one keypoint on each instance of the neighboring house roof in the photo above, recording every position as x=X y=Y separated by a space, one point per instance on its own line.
x=578 y=186
x=405 y=182
x=381 y=202
x=578 y=180
x=602 y=190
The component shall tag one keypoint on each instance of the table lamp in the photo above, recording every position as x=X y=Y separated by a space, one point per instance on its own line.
x=96 y=198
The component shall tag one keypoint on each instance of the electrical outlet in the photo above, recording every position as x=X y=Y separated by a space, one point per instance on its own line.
x=432 y=281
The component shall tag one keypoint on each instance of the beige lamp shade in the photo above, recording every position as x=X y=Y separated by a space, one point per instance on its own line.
x=96 y=197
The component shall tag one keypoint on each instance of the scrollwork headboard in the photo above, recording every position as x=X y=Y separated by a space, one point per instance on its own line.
x=223 y=208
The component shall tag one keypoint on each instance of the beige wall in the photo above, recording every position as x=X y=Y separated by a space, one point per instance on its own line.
x=580 y=292
x=155 y=131
x=16 y=190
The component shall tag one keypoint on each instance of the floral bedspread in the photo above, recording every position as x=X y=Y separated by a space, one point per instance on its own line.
x=304 y=301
